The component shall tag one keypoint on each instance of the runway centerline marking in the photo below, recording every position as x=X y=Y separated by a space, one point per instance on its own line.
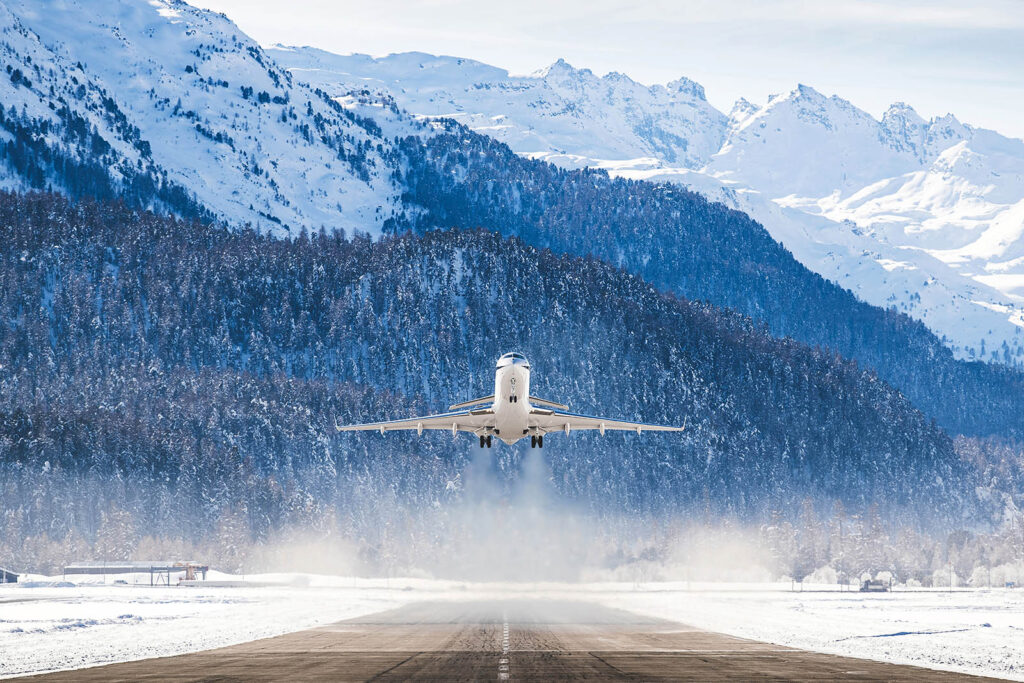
x=503 y=660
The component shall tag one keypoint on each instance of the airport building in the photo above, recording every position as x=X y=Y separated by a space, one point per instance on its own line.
x=160 y=572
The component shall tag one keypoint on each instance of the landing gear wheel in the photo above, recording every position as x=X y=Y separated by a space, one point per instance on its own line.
x=482 y=441
x=540 y=441
x=488 y=440
x=533 y=441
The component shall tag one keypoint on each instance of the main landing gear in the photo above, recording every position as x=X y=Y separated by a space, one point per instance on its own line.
x=485 y=441
x=537 y=441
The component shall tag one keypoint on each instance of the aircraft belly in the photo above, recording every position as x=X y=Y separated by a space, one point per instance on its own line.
x=511 y=421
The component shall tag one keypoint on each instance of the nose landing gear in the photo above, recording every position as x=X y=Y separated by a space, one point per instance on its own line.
x=485 y=441
x=537 y=441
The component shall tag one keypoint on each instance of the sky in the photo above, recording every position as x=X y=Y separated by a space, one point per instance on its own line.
x=939 y=56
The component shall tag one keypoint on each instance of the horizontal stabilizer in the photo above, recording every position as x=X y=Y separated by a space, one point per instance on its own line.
x=544 y=402
x=475 y=401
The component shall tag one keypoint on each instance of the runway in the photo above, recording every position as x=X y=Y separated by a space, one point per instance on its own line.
x=504 y=641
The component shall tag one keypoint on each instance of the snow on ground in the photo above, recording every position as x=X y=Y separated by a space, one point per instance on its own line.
x=969 y=631
x=45 y=626
x=52 y=625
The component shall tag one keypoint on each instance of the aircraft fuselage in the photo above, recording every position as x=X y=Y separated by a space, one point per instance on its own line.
x=512 y=399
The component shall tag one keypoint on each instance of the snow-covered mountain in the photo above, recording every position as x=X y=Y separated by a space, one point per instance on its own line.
x=924 y=216
x=174 y=96
x=557 y=110
x=938 y=201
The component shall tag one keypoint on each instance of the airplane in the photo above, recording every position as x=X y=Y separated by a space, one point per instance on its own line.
x=510 y=413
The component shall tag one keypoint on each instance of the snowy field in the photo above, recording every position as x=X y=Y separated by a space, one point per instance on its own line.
x=45 y=626
x=969 y=631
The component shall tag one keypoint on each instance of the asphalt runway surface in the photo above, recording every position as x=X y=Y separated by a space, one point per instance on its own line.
x=504 y=641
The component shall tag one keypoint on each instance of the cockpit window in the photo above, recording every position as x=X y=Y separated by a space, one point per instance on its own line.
x=513 y=357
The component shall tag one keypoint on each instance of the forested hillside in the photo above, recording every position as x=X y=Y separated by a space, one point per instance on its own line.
x=188 y=377
x=679 y=241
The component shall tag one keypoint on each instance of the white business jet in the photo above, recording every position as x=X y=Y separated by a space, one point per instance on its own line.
x=510 y=413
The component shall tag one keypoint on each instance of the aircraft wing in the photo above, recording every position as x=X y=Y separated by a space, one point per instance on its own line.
x=454 y=421
x=557 y=420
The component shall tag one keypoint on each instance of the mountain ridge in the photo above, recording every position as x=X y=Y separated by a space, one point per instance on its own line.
x=873 y=249
x=216 y=116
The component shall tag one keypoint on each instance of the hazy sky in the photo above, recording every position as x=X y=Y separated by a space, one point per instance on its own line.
x=939 y=56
